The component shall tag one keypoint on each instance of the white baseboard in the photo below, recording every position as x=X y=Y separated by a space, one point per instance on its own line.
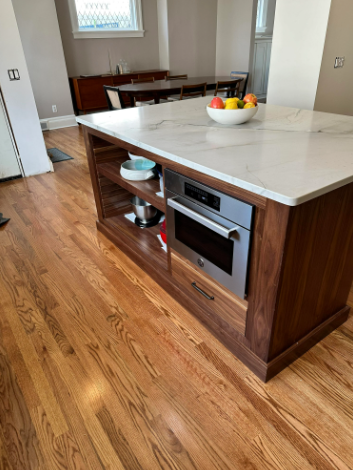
x=58 y=122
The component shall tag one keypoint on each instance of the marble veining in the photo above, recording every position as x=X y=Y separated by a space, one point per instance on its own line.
x=285 y=154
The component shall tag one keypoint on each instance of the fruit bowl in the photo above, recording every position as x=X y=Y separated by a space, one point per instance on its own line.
x=231 y=116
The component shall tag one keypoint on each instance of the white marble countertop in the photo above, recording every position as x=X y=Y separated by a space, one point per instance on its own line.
x=288 y=155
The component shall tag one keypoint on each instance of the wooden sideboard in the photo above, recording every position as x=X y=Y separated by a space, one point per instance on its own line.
x=88 y=95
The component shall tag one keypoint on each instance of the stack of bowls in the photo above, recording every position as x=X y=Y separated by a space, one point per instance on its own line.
x=136 y=157
x=138 y=170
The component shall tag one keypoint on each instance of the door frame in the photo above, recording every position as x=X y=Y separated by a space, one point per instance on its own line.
x=13 y=140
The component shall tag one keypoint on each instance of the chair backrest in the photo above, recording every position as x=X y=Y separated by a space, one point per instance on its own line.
x=232 y=87
x=142 y=80
x=114 y=98
x=176 y=77
x=244 y=84
x=193 y=90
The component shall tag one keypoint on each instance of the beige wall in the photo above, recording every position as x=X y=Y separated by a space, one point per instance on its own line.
x=235 y=35
x=18 y=96
x=334 y=93
x=192 y=27
x=40 y=35
x=297 y=49
x=90 y=56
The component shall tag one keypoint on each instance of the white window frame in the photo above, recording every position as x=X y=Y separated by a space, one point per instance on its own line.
x=136 y=32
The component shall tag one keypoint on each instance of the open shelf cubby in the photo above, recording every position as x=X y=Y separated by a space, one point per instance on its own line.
x=145 y=238
x=146 y=190
x=115 y=194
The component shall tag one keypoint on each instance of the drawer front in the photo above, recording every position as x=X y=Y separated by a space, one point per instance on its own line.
x=120 y=80
x=156 y=75
x=160 y=76
x=209 y=294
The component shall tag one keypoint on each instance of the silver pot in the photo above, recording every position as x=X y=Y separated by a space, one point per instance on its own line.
x=143 y=209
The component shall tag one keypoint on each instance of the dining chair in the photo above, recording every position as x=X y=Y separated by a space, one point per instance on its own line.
x=138 y=103
x=228 y=89
x=176 y=77
x=114 y=98
x=244 y=84
x=191 y=91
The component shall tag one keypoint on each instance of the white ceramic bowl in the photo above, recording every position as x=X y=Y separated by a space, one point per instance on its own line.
x=231 y=116
x=138 y=170
x=136 y=157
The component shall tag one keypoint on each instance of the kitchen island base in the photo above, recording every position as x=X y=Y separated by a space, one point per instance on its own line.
x=300 y=271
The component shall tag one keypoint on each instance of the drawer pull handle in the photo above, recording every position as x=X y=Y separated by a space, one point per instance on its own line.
x=201 y=291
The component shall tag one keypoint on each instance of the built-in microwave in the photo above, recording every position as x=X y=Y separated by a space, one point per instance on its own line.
x=211 y=229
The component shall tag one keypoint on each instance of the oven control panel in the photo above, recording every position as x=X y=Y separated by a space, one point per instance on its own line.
x=210 y=199
x=205 y=197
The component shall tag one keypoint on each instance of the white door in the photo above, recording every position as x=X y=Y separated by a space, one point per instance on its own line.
x=261 y=68
x=9 y=164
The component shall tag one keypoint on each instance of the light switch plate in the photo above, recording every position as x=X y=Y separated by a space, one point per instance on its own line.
x=13 y=74
x=339 y=62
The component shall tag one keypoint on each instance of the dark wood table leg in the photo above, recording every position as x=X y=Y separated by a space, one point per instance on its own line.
x=157 y=98
x=132 y=101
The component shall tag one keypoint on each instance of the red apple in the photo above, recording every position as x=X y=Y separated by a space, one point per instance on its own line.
x=250 y=98
x=217 y=103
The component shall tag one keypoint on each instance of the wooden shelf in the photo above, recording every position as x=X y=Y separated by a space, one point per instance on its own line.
x=142 y=239
x=144 y=189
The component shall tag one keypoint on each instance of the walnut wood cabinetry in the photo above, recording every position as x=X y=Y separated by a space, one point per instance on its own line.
x=301 y=266
x=88 y=95
x=222 y=302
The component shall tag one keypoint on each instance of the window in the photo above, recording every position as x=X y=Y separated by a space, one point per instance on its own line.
x=106 y=18
x=261 y=16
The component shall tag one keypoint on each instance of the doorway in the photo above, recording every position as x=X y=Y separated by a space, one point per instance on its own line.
x=10 y=164
x=262 y=48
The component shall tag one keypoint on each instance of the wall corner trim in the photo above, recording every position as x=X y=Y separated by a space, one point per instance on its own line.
x=59 y=122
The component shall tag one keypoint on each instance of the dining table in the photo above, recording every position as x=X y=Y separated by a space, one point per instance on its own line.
x=163 y=88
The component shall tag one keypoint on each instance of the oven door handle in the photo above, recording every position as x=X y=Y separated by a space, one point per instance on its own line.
x=225 y=232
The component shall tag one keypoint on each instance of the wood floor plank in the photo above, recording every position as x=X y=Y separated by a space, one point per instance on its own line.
x=4 y=458
x=30 y=357
x=69 y=382
x=273 y=413
x=19 y=435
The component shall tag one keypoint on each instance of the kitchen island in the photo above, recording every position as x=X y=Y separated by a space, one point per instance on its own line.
x=292 y=169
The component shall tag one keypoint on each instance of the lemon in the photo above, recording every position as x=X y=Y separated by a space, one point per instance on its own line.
x=249 y=105
x=231 y=100
x=232 y=105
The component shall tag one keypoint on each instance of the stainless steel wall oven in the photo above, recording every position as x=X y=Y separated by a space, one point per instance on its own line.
x=210 y=229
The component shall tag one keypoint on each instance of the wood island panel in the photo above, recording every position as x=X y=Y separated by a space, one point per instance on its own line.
x=350 y=297
x=300 y=272
x=225 y=304
x=317 y=267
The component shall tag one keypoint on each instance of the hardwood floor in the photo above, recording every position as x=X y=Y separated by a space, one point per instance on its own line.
x=101 y=369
